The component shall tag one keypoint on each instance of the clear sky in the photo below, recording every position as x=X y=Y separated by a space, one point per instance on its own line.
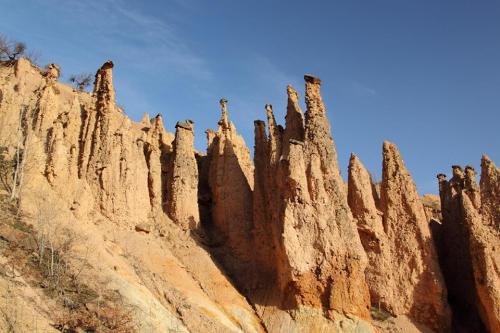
x=424 y=74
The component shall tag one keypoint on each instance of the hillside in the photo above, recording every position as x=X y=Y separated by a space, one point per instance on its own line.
x=110 y=225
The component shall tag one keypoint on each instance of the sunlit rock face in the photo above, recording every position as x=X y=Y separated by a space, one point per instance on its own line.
x=306 y=233
x=217 y=242
x=403 y=273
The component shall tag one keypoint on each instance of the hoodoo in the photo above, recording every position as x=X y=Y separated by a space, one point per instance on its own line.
x=470 y=245
x=403 y=271
x=142 y=226
x=315 y=248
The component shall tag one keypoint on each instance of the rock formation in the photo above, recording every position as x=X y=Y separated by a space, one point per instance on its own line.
x=230 y=180
x=472 y=217
x=361 y=198
x=403 y=272
x=126 y=189
x=183 y=181
x=212 y=243
x=315 y=249
x=454 y=254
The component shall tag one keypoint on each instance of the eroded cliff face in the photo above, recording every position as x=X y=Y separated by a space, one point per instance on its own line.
x=127 y=191
x=471 y=217
x=230 y=182
x=403 y=272
x=301 y=204
x=216 y=243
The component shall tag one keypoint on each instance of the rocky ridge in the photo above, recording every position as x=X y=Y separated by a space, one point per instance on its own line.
x=219 y=242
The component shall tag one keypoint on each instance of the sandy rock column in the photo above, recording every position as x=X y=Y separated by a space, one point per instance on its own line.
x=183 y=181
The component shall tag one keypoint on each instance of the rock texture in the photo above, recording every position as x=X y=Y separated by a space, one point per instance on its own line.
x=454 y=254
x=230 y=180
x=216 y=243
x=472 y=213
x=300 y=198
x=92 y=170
x=403 y=272
x=183 y=180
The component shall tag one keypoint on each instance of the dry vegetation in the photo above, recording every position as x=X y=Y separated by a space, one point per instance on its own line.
x=46 y=258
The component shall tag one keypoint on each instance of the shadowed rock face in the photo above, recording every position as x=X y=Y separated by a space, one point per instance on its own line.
x=403 y=272
x=454 y=252
x=105 y=178
x=470 y=245
x=315 y=250
x=481 y=214
x=369 y=222
x=230 y=180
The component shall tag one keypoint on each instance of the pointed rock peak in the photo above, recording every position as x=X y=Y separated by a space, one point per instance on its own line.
x=353 y=159
x=293 y=95
x=294 y=120
x=393 y=165
x=487 y=163
x=355 y=166
x=224 y=120
x=490 y=178
x=293 y=107
x=361 y=200
x=269 y=109
x=145 y=121
x=357 y=172
x=391 y=152
x=356 y=169
x=270 y=117
x=210 y=137
x=158 y=122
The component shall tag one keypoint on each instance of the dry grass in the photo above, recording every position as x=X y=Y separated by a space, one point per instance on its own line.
x=46 y=258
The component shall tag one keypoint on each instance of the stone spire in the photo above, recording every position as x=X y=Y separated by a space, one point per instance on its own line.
x=182 y=205
x=223 y=122
x=490 y=190
x=103 y=88
x=315 y=239
x=294 y=120
x=413 y=259
x=275 y=135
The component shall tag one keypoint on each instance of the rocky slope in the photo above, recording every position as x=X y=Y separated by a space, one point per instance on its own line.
x=173 y=239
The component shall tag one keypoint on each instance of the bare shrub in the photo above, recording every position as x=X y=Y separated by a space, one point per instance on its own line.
x=81 y=81
x=11 y=50
x=109 y=319
x=7 y=165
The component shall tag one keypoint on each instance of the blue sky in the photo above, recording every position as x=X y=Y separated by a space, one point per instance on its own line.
x=423 y=74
